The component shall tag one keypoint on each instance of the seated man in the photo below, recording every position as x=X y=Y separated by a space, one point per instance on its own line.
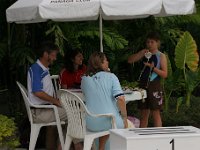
x=41 y=91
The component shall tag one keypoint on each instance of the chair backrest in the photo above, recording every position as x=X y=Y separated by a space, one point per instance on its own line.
x=76 y=113
x=56 y=83
x=27 y=103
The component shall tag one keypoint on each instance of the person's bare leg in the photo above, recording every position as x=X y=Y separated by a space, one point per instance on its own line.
x=59 y=147
x=102 y=142
x=78 y=146
x=51 y=135
x=144 y=117
x=157 y=118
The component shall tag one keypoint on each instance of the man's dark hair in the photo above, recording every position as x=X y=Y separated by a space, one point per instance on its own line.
x=46 y=46
x=154 y=35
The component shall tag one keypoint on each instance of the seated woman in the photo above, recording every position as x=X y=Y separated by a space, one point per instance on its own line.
x=70 y=76
x=103 y=94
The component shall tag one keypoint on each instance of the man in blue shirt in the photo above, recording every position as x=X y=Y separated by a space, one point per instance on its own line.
x=41 y=91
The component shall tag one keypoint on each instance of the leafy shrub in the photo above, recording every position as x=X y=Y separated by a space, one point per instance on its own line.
x=8 y=130
x=129 y=85
x=186 y=116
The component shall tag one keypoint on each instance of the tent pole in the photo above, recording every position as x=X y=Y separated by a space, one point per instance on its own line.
x=101 y=32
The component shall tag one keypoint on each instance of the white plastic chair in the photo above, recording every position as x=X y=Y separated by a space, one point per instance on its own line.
x=35 y=126
x=76 y=113
x=55 y=80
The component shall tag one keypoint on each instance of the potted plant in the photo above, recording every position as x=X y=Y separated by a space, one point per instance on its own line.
x=8 y=137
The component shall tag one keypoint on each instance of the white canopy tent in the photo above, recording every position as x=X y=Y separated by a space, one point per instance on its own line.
x=32 y=11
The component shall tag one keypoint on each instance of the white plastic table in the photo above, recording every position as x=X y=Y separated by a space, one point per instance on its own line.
x=160 y=138
x=129 y=95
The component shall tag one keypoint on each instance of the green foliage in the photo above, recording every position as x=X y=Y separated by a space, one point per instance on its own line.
x=186 y=56
x=168 y=90
x=193 y=79
x=186 y=53
x=8 y=129
x=169 y=67
x=128 y=85
x=86 y=36
x=174 y=85
x=179 y=103
x=77 y=34
x=113 y=40
x=22 y=55
x=185 y=77
x=184 y=116
x=3 y=49
x=59 y=36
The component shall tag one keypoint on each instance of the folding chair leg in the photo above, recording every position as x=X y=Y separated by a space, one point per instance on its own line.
x=88 y=143
x=68 y=141
x=33 y=136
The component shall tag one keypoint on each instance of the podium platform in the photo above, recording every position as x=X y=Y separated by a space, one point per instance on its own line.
x=160 y=138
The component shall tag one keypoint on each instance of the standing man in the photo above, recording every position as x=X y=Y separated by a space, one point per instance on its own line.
x=154 y=68
x=41 y=90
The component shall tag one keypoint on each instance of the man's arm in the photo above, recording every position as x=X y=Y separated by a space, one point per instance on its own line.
x=44 y=96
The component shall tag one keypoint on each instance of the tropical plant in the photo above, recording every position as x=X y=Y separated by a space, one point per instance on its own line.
x=8 y=130
x=166 y=84
x=129 y=85
x=86 y=36
x=185 y=76
x=3 y=47
x=186 y=59
x=77 y=34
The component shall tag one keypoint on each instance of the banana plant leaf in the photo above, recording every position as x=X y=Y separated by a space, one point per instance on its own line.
x=186 y=53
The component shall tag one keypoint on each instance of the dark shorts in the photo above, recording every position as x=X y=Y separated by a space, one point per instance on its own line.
x=154 y=100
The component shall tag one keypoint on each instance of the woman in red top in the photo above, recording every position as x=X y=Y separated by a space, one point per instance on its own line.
x=70 y=76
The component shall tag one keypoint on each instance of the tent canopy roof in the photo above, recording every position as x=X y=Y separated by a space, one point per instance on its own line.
x=31 y=11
